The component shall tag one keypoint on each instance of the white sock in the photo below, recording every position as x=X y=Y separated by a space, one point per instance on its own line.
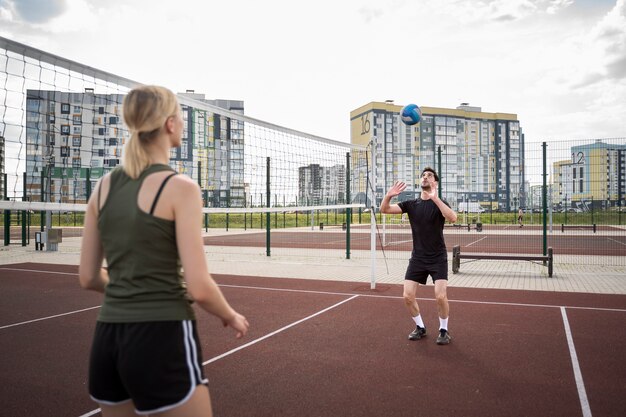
x=443 y=324
x=418 y=321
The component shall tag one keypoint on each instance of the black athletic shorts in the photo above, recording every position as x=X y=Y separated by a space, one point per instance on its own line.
x=157 y=365
x=419 y=269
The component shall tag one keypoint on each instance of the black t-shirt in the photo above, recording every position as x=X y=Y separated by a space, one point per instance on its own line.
x=426 y=227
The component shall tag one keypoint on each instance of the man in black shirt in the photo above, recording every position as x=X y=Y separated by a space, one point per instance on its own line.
x=427 y=215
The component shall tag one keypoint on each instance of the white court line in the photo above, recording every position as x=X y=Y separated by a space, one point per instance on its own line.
x=580 y=384
x=255 y=341
x=617 y=241
x=399 y=242
x=39 y=270
x=47 y=318
x=499 y=303
x=476 y=241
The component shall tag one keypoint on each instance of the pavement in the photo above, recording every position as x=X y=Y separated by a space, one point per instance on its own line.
x=601 y=275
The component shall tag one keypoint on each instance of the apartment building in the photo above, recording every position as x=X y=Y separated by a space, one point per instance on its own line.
x=594 y=177
x=215 y=156
x=319 y=185
x=73 y=139
x=479 y=155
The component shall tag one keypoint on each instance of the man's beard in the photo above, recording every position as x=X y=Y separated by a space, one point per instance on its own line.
x=426 y=187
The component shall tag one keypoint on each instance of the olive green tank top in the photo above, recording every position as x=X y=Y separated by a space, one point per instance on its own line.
x=145 y=279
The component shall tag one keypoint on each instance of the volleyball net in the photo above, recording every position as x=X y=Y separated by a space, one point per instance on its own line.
x=61 y=129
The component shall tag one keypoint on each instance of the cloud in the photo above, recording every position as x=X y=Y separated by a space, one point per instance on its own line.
x=502 y=10
x=504 y=18
x=617 y=68
x=369 y=14
x=38 y=11
x=609 y=37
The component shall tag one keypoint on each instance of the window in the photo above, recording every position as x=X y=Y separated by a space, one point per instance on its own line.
x=76 y=163
x=77 y=119
x=65 y=151
x=51 y=118
x=113 y=120
x=65 y=108
x=65 y=129
x=77 y=109
x=100 y=110
x=76 y=141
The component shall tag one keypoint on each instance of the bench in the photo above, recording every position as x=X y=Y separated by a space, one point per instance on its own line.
x=457 y=256
x=578 y=226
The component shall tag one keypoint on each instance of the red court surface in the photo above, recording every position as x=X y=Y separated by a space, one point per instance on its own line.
x=400 y=240
x=330 y=348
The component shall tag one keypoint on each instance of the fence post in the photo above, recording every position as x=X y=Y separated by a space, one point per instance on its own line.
x=24 y=215
x=348 y=210
x=7 y=215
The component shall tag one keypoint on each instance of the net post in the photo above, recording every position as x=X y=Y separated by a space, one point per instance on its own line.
x=23 y=212
x=267 y=215
x=373 y=217
x=42 y=214
x=544 y=192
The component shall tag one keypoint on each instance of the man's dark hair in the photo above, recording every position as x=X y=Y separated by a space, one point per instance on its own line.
x=429 y=169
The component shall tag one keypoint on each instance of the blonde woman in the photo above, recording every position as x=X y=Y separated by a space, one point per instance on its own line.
x=144 y=219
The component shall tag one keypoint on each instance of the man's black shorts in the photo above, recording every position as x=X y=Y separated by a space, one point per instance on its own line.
x=419 y=269
x=157 y=365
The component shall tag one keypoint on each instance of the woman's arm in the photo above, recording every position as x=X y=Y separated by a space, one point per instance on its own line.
x=91 y=275
x=201 y=286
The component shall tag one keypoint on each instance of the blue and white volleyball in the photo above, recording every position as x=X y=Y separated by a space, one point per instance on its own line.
x=411 y=114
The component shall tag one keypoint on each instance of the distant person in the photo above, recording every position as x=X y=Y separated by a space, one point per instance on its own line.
x=427 y=215
x=144 y=218
x=520 y=217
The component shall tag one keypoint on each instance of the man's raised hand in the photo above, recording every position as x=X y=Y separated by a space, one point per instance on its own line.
x=396 y=189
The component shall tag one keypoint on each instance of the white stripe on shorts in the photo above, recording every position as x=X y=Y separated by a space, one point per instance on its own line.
x=194 y=351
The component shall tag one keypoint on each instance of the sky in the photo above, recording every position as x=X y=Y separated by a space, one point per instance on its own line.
x=560 y=65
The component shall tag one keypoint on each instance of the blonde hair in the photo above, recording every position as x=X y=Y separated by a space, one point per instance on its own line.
x=146 y=109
